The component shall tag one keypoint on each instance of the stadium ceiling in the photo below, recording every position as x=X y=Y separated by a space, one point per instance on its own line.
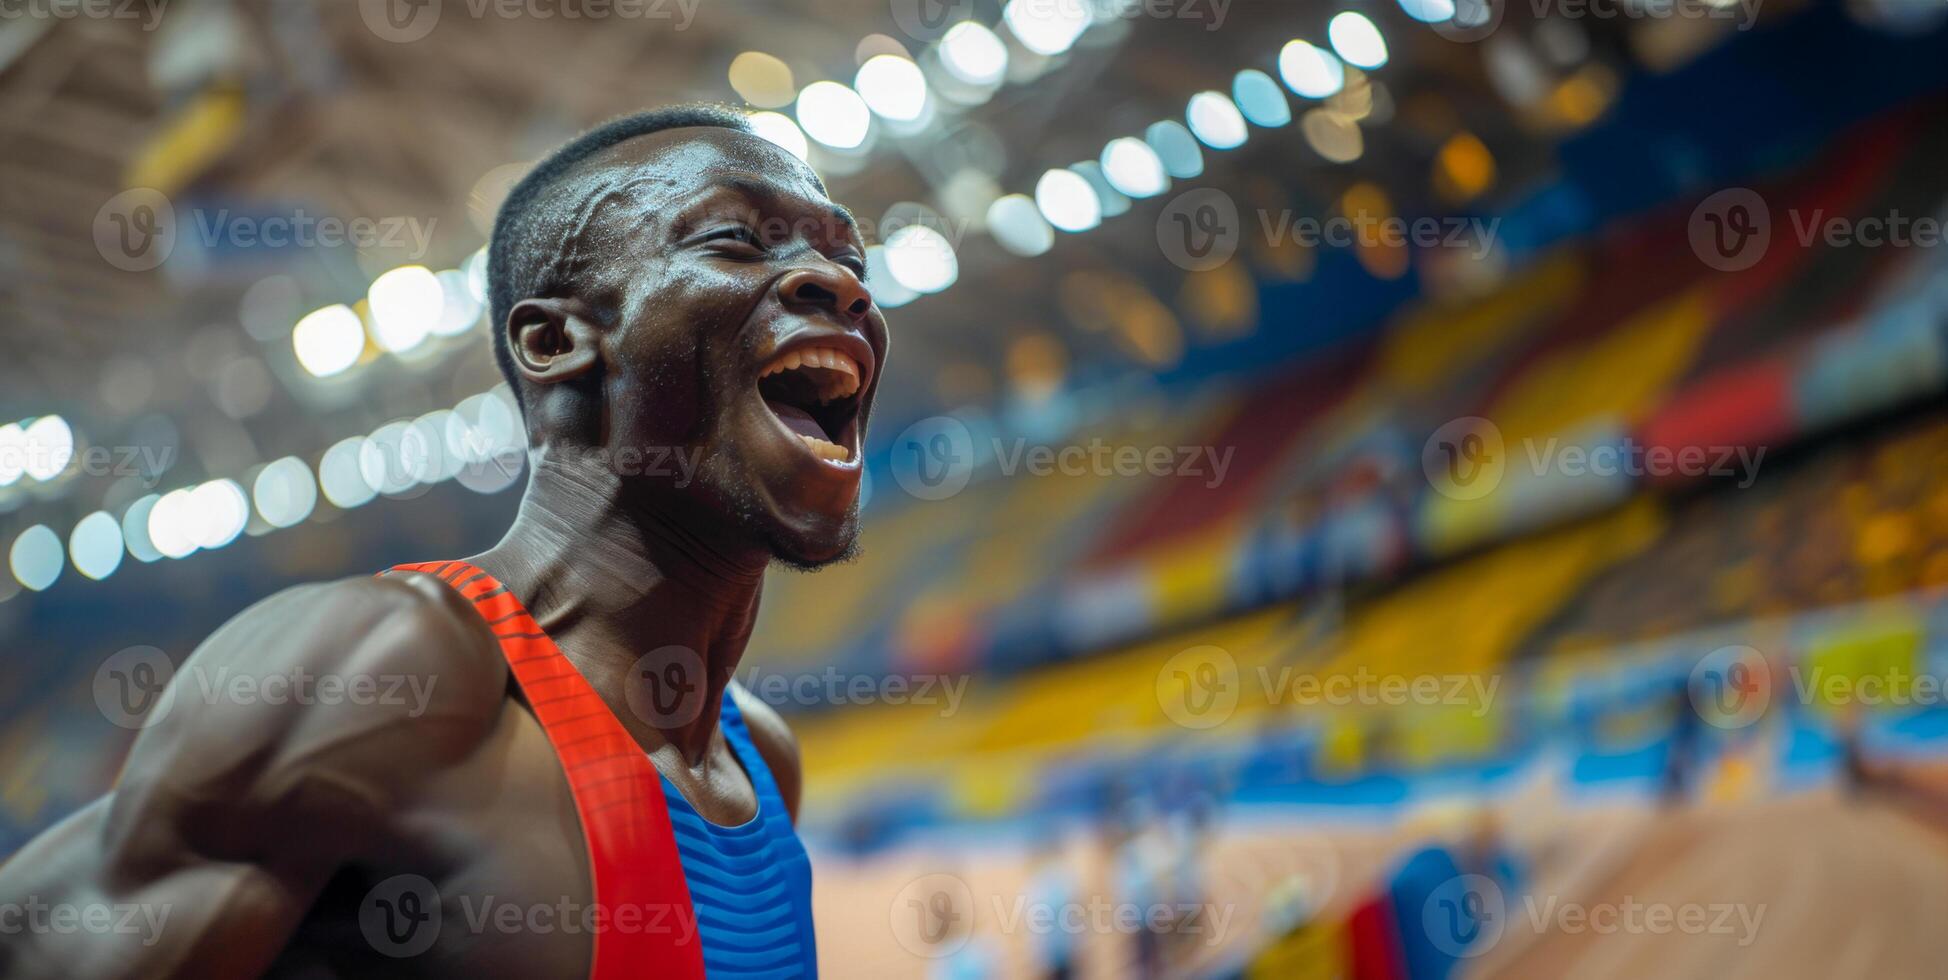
x=305 y=110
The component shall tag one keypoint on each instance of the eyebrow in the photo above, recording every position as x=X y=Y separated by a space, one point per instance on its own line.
x=758 y=189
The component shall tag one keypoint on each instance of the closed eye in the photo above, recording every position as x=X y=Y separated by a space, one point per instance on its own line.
x=734 y=233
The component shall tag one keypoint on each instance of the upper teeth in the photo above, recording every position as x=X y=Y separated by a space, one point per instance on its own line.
x=843 y=382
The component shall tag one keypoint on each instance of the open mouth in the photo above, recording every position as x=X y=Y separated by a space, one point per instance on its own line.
x=814 y=392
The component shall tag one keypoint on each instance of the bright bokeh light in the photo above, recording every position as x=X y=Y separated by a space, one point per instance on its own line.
x=1214 y=118
x=135 y=529
x=405 y=305
x=329 y=340
x=36 y=557
x=388 y=462
x=1309 y=71
x=1067 y=201
x=973 y=54
x=1260 y=99
x=893 y=87
x=921 y=259
x=169 y=525
x=1176 y=149
x=459 y=310
x=485 y=433
x=1357 y=40
x=1429 y=11
x=285 y=492
x=1134 y=168
x=1046 y=27
x=778 y=128
x=888 y=292
x=49 y=447
x=834 y=115
x=13 y=453
x=1109 y=200
x=476 y=270
x=1332 y=136
x=339 y=476
x=763 y=80
x=217 y=512
x=95 y=546
x=1018 y=226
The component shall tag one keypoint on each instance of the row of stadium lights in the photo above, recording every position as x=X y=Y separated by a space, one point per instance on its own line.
x=478 y=442
x=408 y=305
x=916 y=260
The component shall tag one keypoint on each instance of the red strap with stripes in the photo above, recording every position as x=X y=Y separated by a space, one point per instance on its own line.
x=648 y=927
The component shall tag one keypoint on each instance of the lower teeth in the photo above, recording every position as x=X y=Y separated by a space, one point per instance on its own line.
x=825 y=450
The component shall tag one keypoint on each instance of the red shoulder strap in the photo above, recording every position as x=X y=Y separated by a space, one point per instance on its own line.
x=647 y=925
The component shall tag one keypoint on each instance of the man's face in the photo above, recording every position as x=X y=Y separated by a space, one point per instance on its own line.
x=745 y=342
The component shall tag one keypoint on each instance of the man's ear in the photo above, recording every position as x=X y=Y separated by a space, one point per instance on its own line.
x=551 y=340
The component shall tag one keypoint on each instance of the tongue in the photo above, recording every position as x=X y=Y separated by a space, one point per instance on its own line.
x=798 y=420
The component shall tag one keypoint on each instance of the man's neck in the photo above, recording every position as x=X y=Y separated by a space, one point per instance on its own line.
x=611 y=582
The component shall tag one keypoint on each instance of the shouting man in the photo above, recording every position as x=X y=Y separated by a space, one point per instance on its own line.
x=585 y=792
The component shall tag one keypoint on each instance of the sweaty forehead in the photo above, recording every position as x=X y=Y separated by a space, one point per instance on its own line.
x=675 y=164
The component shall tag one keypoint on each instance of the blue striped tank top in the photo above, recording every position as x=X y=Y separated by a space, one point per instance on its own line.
x=751 y=885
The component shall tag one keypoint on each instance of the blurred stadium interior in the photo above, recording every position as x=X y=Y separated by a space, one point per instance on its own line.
x=1060 y=635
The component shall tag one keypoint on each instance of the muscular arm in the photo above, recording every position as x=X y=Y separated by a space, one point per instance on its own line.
x=234 y=809
x=775 y=742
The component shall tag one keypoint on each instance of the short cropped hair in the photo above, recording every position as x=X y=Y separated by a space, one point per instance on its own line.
x=531 y=230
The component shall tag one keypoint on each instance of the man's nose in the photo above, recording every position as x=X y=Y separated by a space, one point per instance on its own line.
x=831 y=289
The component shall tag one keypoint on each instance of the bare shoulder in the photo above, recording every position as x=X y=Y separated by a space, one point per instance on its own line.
x=774 y=742
x=325 y=702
